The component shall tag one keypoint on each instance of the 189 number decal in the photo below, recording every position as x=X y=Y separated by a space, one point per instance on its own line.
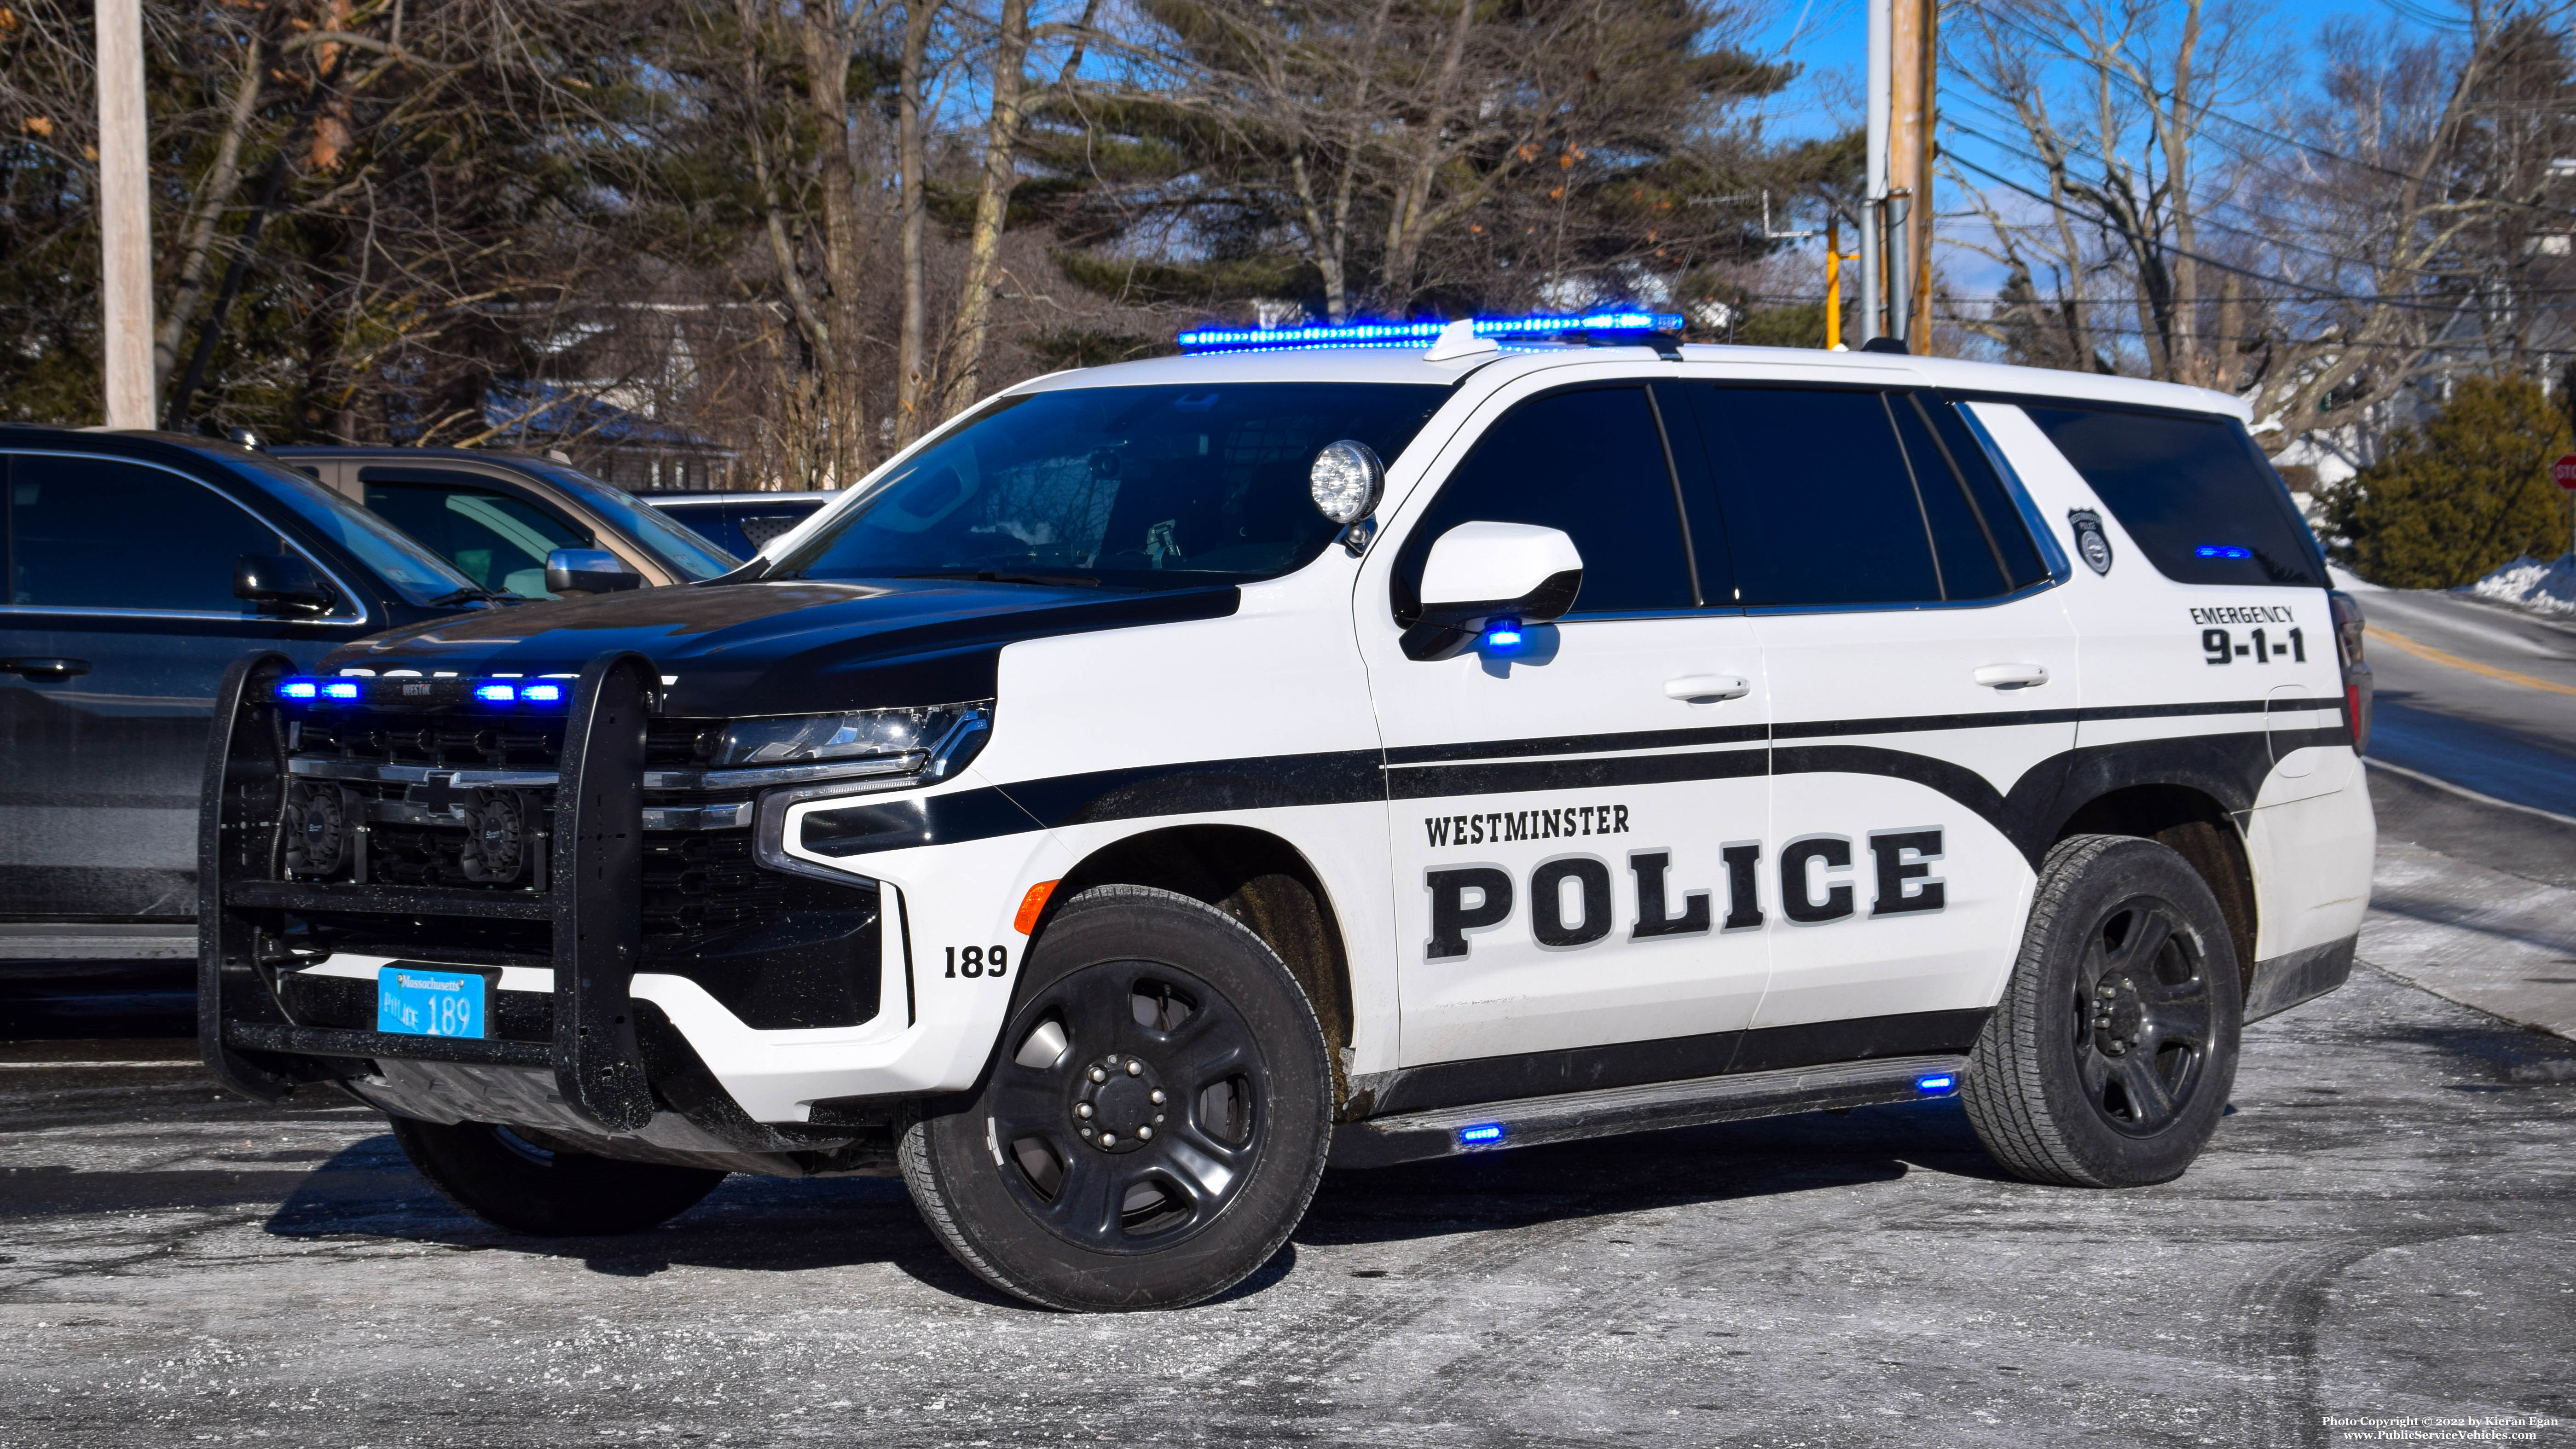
x=979 y=960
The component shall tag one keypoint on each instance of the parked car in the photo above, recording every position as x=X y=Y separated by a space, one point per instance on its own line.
x=1141 y=794
x=139 y=566
x=741 y=523
x=498 y=517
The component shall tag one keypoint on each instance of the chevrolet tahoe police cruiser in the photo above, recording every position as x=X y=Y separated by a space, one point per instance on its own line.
x=1330 y=746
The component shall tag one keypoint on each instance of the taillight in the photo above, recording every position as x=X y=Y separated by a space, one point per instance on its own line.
x=2348 y=625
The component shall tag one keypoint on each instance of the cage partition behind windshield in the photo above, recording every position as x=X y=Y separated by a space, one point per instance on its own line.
x=1128 y=487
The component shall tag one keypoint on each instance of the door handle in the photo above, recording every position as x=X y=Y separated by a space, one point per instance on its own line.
x=2012 y=676
x=1705 y=688
x=45 y=668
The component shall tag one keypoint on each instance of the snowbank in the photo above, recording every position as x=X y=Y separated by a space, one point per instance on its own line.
x=2547 y=588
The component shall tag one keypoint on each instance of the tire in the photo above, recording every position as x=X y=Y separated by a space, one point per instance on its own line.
x=512 y=1183
x=1063 y=1179
x=2109 y=1062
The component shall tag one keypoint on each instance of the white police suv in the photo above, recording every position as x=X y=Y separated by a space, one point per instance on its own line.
x=1335 y=746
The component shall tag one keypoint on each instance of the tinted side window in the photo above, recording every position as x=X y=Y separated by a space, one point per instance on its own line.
x=497 y=540
x=2023 y=564
x=2193 y=492
x=1970 y=564
x=1820 y=503
x=714 y=523
x=1591 y=463
x=97 y=533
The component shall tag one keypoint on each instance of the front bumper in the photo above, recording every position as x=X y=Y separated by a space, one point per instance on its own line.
x=591 y=1012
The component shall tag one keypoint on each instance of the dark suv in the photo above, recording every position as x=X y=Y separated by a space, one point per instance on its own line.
x=139 y=566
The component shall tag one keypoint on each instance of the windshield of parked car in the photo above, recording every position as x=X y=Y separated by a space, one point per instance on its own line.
x=687 y=554
x=1129 y=487
x=420 y=576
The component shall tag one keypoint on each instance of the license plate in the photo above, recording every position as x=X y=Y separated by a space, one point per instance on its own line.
x=414 y=1002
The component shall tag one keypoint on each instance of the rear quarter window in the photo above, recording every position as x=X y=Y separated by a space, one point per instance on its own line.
x=2195 y=494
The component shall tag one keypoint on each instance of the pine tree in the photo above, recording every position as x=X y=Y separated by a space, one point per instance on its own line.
x=2460 y=496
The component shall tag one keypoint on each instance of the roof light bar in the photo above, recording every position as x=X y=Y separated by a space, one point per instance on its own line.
x=1420 y=334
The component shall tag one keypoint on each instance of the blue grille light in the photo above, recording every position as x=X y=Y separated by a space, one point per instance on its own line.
x=1482 y=1132
x=496 y=693
x=340 y=689
x=2223 y=550
x=542 y=694
x=1420 y=334
x=1938 y=1084
x=298 y=689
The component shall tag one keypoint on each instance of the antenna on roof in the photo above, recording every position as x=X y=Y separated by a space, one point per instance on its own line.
x=1457 y=340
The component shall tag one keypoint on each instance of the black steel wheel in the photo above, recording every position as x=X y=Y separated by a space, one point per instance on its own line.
x=1154 y=1120
x=514 y=1182
x=2109 y=1060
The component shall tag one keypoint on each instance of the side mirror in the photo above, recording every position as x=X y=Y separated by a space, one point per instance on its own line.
x=1480 y=574
x=282 y=581
x=589 y=571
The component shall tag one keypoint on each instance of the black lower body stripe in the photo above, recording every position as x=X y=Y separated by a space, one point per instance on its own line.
x=1673 y=1059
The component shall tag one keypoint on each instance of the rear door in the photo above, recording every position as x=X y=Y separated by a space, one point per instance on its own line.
x=1563 y=811
x=119 y=623
x=1923 y=695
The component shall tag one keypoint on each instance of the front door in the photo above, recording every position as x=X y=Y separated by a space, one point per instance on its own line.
x=1923 y=701
x=119 y=623
x=1564 y=812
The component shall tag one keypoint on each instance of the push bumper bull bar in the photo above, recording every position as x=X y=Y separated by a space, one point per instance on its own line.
x=593 y=900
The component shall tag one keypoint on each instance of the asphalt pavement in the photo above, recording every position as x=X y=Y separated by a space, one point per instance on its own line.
x=2383 y=1230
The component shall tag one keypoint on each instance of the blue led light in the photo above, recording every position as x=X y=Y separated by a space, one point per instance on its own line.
x=1504 y=638
x=1419 y=334
x=2223 y=550
x=1938 y=1084
x=542 y=694
x=496 y=693
x=298 y=689
x=1483 y=1132
x=340 y=689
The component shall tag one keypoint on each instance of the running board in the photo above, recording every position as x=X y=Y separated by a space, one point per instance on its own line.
x=1530 y=1121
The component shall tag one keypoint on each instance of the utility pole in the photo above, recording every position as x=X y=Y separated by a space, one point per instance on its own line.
x=1873 y=216
x=124 y=215
x=1896 y=227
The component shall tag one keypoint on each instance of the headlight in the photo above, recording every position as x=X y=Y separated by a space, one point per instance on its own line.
x=862 y=734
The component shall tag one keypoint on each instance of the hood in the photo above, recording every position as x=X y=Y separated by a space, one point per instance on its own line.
x=790 y=647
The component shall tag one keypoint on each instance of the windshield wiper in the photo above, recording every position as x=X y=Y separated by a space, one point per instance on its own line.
x=990 y=576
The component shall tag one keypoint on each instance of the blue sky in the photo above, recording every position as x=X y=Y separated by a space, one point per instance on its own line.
x=1828 y=39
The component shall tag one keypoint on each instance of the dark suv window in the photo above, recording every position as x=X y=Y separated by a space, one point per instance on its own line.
x=1591 y=463
x=98 y=533
x=1854 y=497
x=2193 y=491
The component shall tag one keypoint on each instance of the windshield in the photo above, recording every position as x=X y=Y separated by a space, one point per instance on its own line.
x=1131 y=487
x=687 y=554
x=420 y=576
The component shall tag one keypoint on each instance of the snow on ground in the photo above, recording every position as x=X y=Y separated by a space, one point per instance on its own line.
x=2547 y=588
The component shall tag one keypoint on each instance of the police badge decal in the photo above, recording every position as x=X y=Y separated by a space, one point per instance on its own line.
x=2089 y=540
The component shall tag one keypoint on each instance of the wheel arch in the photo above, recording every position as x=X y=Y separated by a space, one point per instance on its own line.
x=1254 y=876
x=2196 y=826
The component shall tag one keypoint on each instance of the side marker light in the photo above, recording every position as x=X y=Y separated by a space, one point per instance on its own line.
x=1033 y=905
x=1482 y=1132
x=1939 y=1084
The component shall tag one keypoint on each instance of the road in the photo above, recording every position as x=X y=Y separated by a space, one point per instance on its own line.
x=2385 y=1226
x=2475 y=693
